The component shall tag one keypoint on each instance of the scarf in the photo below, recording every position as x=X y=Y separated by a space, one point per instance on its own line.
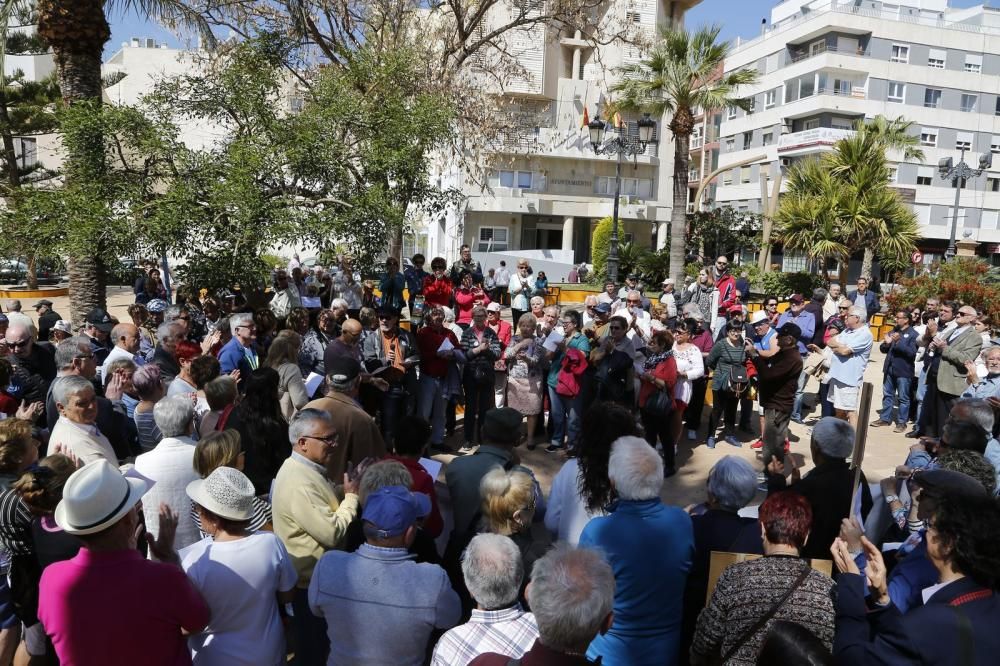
x=652 y=361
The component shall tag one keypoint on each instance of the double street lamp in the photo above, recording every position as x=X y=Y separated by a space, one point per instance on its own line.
x=959 y=175
x=621 y=144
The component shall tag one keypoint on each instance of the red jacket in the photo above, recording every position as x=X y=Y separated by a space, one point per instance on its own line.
x=504 y=332
x=727 y=293
x=429 y=341
x=423 y=483
x=573 y=365
x=465 y=300
x=437 y=292
x=665 y=370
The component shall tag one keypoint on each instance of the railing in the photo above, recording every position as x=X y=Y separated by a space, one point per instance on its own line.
x=696 y=142
x=856 y=93
x=799 y=57
x=820 y=136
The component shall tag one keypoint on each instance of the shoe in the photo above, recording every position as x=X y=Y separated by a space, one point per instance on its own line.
x=441 y=447
x=669 y=472
x=900 y=428
x=762 y=487
x=797 y=419
x=692 y=434
x=914 y=434
x=467 y=449
x=878 y=423
x=532 y=446
x=553 y=448
x=745 y=429
x=759 y=444
x=732 y=441
x=710 y=442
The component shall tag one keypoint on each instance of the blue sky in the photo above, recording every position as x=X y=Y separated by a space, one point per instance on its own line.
x=738 y=18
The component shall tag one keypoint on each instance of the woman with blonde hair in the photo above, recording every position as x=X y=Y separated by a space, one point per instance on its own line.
x=283 y=356
x=509 y=509
x=225 y=449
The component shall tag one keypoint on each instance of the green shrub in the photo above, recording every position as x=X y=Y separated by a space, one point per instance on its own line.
x=600 y=244
x=964 y=279
x=784 y=285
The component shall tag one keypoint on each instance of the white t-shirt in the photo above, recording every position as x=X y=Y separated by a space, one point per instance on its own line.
x=239 y=580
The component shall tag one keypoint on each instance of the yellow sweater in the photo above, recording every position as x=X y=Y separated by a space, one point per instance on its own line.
x=307 y=516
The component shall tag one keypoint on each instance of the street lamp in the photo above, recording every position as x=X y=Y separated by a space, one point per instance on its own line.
x=958 y=173
x=619 y=145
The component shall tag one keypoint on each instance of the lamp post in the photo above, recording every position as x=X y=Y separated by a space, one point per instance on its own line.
x=619 y=145
x=958 y=173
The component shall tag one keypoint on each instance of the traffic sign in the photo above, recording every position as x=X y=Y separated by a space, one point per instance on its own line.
x=917 y=257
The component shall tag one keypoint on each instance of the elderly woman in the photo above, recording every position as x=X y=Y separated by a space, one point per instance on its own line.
x=779 y=586
x=438 y=288
x=283 y=357
x=613 y=358
x=958 y=620
x=521 y=286
x=581 y=489
x=509 y=509
x=504 y=332
x=565 y=410
x=690 y=368
x=437 y=367
x=659 y=373
x=467 y=297
x=525 y=359
x=727 y=354
x=242 y=574
x=984 y=385
x=184 y=384
x=76 y=433
x=314 y=342
x=224 y=449
x=481 y=347
x=149 y=389
x=537 y=304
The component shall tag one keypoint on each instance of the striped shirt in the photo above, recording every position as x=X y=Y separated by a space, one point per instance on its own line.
x=261 y=516
x=149 y=432
x=15 y=525
x=510 y=631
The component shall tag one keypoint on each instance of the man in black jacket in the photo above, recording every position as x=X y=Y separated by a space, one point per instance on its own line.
x=777 y=380
x=47 y=318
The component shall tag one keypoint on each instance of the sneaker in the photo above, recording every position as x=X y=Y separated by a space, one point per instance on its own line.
x=797 y=419
x=553 y=448
x=900 y=428
x=732 y=441
x=759 y=444
x=467 y=449
x=710 y=442
x=692 y=434
x=878 y=423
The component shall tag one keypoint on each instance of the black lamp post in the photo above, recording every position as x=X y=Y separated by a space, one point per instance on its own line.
x=619 y=145
x=959 y=173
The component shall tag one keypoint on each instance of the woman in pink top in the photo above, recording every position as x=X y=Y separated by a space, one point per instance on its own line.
x=467 y=296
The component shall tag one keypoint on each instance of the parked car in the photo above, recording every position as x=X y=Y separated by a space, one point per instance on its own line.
x=48 y=270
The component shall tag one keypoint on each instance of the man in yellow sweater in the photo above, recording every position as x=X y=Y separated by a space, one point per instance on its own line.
x=310 y=519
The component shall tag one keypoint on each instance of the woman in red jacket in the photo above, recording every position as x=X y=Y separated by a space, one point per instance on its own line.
x=468 y=296
x=659 y=374
x=437 y=287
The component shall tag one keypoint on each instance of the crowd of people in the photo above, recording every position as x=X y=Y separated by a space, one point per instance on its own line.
x=226 y=481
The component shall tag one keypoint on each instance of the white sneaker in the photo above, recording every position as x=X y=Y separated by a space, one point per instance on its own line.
x=692 y=434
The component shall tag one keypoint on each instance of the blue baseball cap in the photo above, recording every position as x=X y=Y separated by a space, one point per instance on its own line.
x=157 y=305
x=391 y=510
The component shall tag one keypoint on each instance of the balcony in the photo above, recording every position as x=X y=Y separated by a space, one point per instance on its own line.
x=820 y=139
x=799 y=57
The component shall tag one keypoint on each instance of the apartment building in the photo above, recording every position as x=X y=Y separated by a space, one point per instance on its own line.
x=825 y=64
x=37 y=149
x=546 y=188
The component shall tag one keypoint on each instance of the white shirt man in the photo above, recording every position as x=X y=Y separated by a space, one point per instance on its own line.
x=851 y=350
x=668 y=298
x=126 y=338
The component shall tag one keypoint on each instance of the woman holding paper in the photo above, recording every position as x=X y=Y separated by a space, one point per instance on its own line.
x=525 y=371
x=468 y=296
x=482 y=348
x=521 y=287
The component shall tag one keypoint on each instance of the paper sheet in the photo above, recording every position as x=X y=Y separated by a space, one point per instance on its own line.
x=312 y=383
x=433 y=467
x=311 y=302
x=552 y=341
x=446 y=345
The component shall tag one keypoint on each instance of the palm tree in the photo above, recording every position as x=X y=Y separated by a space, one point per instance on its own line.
x=76 y=31
x=682 y=72
x=809 y=217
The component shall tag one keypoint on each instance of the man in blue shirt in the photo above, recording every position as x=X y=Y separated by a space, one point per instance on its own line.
x=900 y=349
x=806 y=321
x=240 y=352
x=851 y=350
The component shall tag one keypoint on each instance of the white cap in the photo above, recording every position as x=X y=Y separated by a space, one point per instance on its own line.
x=493 y=307
x=758 y=317
x=668 y=281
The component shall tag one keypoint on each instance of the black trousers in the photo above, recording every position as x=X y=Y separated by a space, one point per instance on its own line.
x=692 y=415
x=723 y=407
x=775 y=434
x=658 y=427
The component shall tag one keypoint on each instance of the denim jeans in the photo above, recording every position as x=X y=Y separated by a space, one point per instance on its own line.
x=895 y=389
x=432 y=405
x=800 y=390
x=564 y=414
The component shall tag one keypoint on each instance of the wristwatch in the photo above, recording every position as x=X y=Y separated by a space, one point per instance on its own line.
x=889 y=499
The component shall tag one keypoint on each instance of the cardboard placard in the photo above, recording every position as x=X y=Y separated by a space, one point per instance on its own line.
x=860 y=440
x=722 y=560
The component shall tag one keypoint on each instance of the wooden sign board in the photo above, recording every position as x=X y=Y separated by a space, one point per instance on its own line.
x=722 y=560
x=860 y=440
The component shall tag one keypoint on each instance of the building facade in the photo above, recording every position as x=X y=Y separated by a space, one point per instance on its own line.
x=546 y=188
x=825 y=64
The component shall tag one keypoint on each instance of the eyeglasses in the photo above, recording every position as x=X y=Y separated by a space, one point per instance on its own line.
x=633 y=302
x=843 y=307
x=332 y=439
x=249 y=328
x=18 y=343
x=771 y=305
x=966 y=314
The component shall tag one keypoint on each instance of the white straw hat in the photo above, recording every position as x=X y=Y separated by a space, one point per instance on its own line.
x=96 y=496
x=226 y=492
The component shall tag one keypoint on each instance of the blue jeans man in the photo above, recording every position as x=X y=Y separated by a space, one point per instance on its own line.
x=564 y=413
x=895 y=389
x=800 y=389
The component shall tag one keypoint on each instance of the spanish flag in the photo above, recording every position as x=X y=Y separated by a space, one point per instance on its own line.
x=586 y=118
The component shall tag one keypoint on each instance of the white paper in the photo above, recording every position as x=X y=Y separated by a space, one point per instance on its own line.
x=433 y=467
x=552 y=341
x=445 y=346
x=312 y=383
x=311 y=302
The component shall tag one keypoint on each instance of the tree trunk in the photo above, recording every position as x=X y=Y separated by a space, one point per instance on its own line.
x=866 y=263
x=31 y=272
x=678 y=210
x=396 y=244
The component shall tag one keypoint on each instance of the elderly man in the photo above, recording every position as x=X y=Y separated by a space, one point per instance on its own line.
x=358 y=435
x=240 y=353
x=74 y=358
x=34 y=366
x=286 y=296
x=863 y=297
x=777 y=375
x=76 y=430
x=347 y=344
x=170 y=465
x=956 y=348
x=833 y=296
x=151 y=605
x=929 y=421
x=571 y=594
x=440 y=352
x=493 y=571
x=851 y=349
x=168 y=334
x=380 y=585
x=47 y=317
x=669 y=299
x=97 y=326
x=465 y=263
x=829 y=486
x=987 y=386
x=394 y=354
x=310 y=519
x=900 y=349
x=806 y=322
x=126 y=339
x=815 y=307
x=650 y=547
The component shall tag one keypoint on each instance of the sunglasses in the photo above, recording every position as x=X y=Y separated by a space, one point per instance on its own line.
x=18 y=343
x=843 y=308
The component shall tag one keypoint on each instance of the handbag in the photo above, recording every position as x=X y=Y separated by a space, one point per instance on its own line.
x=659 y=404
x=738 y=379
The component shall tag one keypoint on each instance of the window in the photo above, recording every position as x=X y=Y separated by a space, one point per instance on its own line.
x=893 y=174
x=794 y=262
x=812 y=123
x=745 y=175
x=963 y=141
x=997 y=108
x=633 y=17
x=925 y=175
x=995 y=144
x=492 y=239
x=969 y=103
x=928 y=136
x=753 y=106
x=935 y=58
x=520 y=179
x=730 y=144
x=897 y=91
x=727 y=178
x=26 y=151
x=974 y=63
x=769 y=99
x=993 y=183
x=630 y=187
x=900 y=53
x=768 y=138
x=932 y=97
x=731 y=113
x=747 y=140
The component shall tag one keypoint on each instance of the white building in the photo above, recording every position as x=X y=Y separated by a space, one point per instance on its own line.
x=39 y=148
x=546 y=187
x=826 y=63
